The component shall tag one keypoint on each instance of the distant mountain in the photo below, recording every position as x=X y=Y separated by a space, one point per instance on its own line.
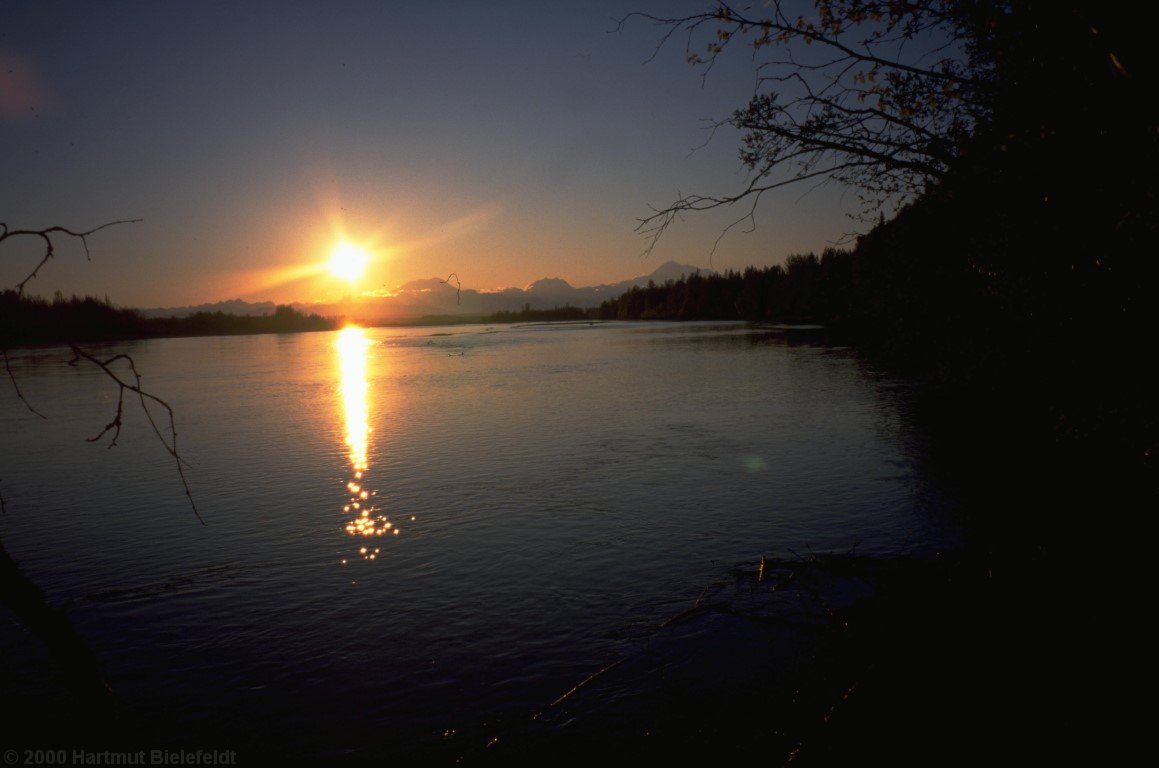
x=232 y=307
x=433 y=296
x=670 y=270
x=553 y=291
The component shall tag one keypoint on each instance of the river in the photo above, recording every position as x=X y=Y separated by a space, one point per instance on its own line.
x=414 y=537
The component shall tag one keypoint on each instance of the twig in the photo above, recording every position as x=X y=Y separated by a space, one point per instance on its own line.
x=869 y=114
x=15 y=386
x=586 y=681
x=458 y=286
x=46 y=236
x=114 y=426
x=49 y=250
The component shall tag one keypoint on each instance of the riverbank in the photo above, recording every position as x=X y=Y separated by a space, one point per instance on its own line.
x=822 y=660
x=812 y=661
x=28 y=321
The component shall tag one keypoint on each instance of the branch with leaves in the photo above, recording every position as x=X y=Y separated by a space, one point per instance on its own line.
x=877 y=95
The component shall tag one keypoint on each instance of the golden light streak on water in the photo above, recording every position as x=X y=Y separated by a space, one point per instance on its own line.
x=362 y=519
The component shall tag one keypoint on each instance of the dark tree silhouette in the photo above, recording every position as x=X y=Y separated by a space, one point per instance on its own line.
x=1014 y=145
x=875 y=95
x=883 y=96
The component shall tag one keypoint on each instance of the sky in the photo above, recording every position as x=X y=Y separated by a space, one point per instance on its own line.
x=504 y=142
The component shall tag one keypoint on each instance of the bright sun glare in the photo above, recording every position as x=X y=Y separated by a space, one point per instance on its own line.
x=347 y=261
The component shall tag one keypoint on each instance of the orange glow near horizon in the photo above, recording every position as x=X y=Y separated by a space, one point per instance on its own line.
x=336 y=259
x=312 y=279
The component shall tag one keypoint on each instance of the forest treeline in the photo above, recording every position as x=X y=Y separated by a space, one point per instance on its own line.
x=1020 y=284
x=34 y=320
x=528 y=315
x=807 y=289
x=1026 y=315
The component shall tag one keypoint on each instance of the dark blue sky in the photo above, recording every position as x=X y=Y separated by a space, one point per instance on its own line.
x=502 y=143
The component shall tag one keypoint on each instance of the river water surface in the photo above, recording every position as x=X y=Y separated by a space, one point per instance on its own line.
x=416 y=536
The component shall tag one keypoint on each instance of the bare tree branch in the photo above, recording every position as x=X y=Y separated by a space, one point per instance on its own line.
x=16 y=590
x=46 y=236
x=15 y=386
x=875 y=94
x=652 y=227
x=133 y=386
x=145 y=397
x=49 y=249
x=458 y=286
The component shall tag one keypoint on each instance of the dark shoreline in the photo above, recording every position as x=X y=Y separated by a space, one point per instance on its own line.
x=823 y=660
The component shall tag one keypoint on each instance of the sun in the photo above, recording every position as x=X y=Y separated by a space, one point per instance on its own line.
x=348 y=261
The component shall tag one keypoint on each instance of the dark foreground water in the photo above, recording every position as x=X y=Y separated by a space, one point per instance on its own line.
x=416 y=539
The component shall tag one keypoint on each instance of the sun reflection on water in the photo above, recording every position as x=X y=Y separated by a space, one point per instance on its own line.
x=363 y=518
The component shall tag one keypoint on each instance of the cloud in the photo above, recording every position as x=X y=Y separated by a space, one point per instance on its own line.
x=24 y=94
